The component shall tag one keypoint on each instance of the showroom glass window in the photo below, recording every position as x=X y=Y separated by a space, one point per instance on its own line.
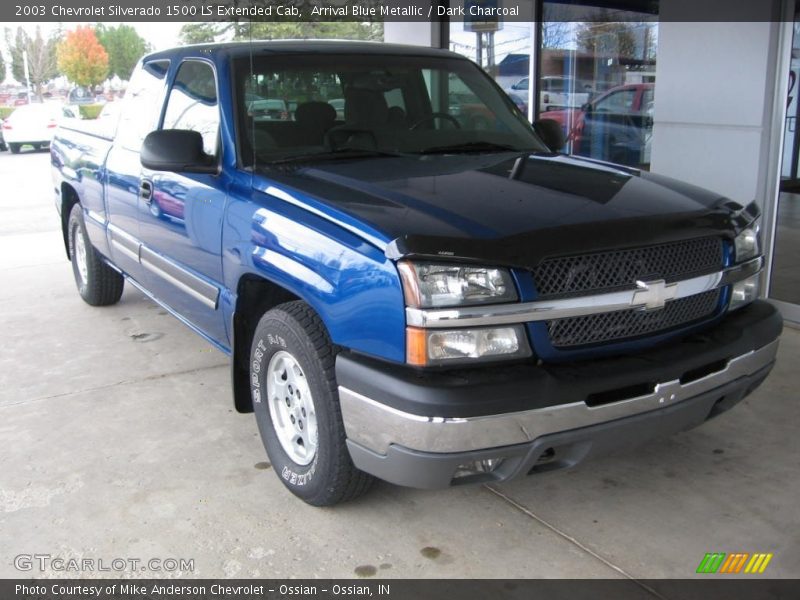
x=596 y=76
x=502 y=48
x=595 y=72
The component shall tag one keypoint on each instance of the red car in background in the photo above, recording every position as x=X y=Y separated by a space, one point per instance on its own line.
x=615 y=126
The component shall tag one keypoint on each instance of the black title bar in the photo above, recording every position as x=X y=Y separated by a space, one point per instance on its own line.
x=706 y=588
x=478 y=11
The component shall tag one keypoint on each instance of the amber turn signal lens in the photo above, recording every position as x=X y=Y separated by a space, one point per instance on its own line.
x=416 y=346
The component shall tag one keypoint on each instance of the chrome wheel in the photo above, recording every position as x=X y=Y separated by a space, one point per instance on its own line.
x=80 y=256
x=291 y=408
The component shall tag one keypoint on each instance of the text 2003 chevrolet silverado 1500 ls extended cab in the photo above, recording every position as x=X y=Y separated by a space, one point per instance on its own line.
x=405 y=293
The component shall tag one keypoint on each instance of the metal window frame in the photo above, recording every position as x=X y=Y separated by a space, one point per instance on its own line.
x=780 y=85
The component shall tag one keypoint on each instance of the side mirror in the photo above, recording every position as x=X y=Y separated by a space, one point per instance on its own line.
x=549 y=130
x=177 y=150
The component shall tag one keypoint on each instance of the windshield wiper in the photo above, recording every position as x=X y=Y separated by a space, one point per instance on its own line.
x=472 y=147
x=338 y=154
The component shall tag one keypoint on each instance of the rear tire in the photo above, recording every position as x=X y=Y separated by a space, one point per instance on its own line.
x=14 y=148
x=296 y=404
x=98 y=284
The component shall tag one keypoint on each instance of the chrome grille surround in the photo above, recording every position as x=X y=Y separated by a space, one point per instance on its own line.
x=632 y=323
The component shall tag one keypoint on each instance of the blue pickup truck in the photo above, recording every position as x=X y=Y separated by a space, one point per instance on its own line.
x=407 y=291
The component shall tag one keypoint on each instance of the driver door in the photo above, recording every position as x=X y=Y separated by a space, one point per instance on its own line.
x=180 y=214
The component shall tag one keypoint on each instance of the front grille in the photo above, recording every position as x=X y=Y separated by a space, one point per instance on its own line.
x=631 y=323
x=617 y=269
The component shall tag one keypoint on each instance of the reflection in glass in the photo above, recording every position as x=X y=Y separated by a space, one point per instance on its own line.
x=785 y=278
x=596 y=73
x=597 y=79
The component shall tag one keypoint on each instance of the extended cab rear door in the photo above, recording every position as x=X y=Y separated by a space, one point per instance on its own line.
x=180 y=214
x=139 y=114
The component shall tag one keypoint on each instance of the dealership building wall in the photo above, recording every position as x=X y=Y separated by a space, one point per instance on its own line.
x=720 y=99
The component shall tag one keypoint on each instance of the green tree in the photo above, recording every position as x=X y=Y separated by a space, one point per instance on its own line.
x=198 y=33
x=311 y=30
x=2 y=67
x=42 y=66
x=201 y=33
x=124 y=47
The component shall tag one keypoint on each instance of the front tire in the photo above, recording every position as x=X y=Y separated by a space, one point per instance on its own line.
x=98 y=284
x=296 y=404
x=14 y=148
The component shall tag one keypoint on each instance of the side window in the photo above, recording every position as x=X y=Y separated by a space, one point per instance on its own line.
x=192 y=103
x=141 y=106
x=618 y=103
x=394 y=98
x=276 y=95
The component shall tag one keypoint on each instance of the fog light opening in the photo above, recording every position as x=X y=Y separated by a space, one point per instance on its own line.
x=546 y=456
x=477 y=468
x=488 y=465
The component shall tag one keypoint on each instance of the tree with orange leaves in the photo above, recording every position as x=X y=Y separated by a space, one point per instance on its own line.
x=82 y=58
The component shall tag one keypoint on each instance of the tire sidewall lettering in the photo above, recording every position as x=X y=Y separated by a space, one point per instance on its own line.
x=262 y=351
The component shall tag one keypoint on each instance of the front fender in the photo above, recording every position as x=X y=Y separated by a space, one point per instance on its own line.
x=348 y=281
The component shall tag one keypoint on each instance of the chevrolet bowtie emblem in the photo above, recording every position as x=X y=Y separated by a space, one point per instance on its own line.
x=653 y=295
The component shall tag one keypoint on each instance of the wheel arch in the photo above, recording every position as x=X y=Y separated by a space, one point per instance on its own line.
x=255 y=295
x=69 y=198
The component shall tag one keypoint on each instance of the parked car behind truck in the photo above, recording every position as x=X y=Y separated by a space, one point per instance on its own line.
x=404 y=295
x=34 y=125
x=616 y=126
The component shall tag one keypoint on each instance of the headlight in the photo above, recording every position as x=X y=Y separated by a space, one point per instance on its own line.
x=430 y=285
x=744 y=292
x=746 y=244
x=427 y=347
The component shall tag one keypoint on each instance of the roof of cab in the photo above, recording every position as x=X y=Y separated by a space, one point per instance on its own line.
x=298 y=47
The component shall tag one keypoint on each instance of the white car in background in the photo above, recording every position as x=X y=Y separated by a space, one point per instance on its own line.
x=34 y=124
x=557 y=92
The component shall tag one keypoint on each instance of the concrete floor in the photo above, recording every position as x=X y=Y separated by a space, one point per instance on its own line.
x=119 y=440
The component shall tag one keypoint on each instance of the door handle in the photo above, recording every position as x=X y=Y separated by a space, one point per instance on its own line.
x=146 y=190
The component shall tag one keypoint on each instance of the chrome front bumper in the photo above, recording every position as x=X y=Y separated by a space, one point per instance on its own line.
x=375 y=427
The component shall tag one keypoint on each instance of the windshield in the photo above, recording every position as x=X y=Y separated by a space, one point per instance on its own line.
x=302 y=107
